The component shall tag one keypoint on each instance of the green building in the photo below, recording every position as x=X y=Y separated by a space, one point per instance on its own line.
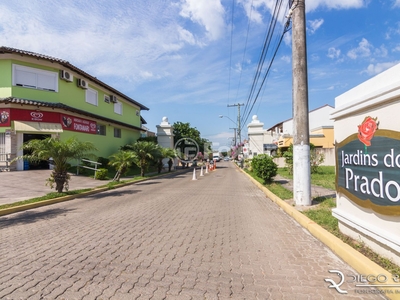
x=42 y=96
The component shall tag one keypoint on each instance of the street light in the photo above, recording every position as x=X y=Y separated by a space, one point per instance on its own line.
x=221 y=116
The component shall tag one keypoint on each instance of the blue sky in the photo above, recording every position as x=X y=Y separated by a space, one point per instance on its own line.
x=189 y=59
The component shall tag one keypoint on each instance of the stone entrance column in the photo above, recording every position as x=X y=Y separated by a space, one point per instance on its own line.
x=255 y=132
x=165 y=137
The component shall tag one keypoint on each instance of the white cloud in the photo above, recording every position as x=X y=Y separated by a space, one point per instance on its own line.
x=286 y=58
x=335 y=4
x=397 y=48
x=207 y=13
x=363 y=50
x=255 y=10
x=333 y=53
x=314 y=25
x=186 y=36
x=381 y=51
x=374 y=69
x=397 y=3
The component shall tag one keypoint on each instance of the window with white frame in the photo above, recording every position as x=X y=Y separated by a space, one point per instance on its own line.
x=118 y=108
x=35 y=78
x=91 y=96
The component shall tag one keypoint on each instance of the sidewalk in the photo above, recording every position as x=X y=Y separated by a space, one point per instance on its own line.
x=23 y=185
x=316 y=191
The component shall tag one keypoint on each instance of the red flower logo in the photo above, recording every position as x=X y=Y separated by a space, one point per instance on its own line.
x=367 y=130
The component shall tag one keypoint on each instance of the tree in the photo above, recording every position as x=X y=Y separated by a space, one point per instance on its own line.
x=148 y=139
x=144 y=152
x=184 y=130
x=164 y=153
x=121 y=161
x=61 y=152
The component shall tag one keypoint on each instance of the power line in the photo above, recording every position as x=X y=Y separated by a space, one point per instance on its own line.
x=257 y=85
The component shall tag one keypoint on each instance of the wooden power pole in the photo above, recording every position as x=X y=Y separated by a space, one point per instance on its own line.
x=301 y=131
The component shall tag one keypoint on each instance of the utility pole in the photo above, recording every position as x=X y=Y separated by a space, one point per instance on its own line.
x=239 y=133
x=235 y=136
x=301 y=132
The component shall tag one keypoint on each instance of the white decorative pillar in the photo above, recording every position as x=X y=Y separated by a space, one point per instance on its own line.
x=255 y=131
x=165 y=136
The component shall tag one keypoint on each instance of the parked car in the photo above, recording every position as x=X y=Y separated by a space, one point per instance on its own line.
x=226 y=158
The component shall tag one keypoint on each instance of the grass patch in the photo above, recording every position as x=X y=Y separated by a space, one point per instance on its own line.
x=274 y=187
x=325 y=176
x=323 y=214
x=48 y=196
x=279 y=190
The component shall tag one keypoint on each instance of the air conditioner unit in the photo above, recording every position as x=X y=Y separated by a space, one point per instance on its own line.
x=67 y=76
x=113 y=99
x=83 y=83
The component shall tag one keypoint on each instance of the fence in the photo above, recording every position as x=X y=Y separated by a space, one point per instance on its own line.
x=92 y=166
x=5 y=161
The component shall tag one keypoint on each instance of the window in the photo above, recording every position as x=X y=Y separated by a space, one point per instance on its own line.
x=35 y=78
x=118 y=108
x=117 y=132
x=106 y=99
x=101 y=129
x=91 y=96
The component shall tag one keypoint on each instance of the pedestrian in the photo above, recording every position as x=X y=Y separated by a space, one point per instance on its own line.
x=170 y=165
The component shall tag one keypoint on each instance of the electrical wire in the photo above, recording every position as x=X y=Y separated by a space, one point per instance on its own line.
x=253 y=95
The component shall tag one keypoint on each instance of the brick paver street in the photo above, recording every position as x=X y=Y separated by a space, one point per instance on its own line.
x=217 y=237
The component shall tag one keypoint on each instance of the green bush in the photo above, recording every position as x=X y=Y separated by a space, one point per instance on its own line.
x=264 y=167
x=102 y=174
x=316 y=158
x=104 y=161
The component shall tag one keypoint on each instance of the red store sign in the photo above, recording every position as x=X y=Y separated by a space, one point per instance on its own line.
x=34 y=116
x=5 y=119
x=68 y=122
x=78 y=124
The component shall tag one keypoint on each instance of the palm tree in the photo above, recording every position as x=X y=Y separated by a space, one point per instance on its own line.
x=61 y=153
x=121 y=161
x=164 y=153
x=144 y=152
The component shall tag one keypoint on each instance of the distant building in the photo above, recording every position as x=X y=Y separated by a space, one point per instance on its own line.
x=43 y=96
x=320 y=124
x=261 y=141
x=280 y=136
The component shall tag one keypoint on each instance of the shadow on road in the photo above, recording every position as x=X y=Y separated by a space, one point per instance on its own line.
x=113 y=193
x=32 y=216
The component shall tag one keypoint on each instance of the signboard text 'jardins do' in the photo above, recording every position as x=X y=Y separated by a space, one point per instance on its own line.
x=368 y=168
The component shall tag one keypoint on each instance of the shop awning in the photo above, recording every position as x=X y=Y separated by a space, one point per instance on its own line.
x=37 y=127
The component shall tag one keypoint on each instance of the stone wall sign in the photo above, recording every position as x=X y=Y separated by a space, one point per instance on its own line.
x=368 y=168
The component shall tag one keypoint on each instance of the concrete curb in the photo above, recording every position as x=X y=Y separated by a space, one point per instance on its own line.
x=15 y=209
x=359 y=262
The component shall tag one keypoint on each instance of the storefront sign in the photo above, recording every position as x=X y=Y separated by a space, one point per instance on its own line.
x=78 y=124
x=368 y=168
x=5 y=119
x=68 y=122
x=34 y=115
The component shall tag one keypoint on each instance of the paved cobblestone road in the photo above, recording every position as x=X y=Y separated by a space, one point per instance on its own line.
x=217 y=237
